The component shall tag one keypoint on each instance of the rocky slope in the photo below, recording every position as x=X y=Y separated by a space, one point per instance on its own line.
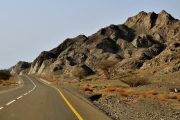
x=144 y=41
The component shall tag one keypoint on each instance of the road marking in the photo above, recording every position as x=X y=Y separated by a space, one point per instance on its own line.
x=25 y=93
x=45 y=81
x=32 y=83
x=19 y=97
x=66 y=101
x=70 y=106
x=10 y=102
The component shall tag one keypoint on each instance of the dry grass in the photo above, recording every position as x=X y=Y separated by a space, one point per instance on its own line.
x=79 y=73
x=138 y=99
x=162 y=97
x=172 y=96
x=109 y=89
x=86 y=88
x=125 y=92
x=139 y=96
x=11 y=81
x=6 y=79
x=106 y=67
x=120 y=91
x=136 y=81
x=178 y=97
x=149 y=94
x=168 y=96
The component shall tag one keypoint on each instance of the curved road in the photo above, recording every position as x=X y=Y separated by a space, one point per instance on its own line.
x=37 y=101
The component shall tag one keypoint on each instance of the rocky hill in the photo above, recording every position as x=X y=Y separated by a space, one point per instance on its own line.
x=20 y=68
x=144 y=41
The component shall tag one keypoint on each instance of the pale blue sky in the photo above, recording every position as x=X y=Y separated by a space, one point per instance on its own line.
x=28 y=27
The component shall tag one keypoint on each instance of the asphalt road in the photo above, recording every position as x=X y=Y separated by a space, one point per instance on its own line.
x=38 y=101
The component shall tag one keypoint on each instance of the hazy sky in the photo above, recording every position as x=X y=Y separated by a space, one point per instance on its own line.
x=28 y=27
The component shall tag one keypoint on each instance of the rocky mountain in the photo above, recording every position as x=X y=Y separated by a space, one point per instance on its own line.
x=20 y=68
x=144 y=41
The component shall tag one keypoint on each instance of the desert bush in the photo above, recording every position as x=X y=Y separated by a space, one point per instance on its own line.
x=10 y=81
x=82 y=72
x=106 y=66
x=4 y=75
x=139 y=98
x=109 y=89
x=79 y=73
x=170 y=95
x=178 y=97
x=136 y=81
x=149 y=94
x=121 y=91
x=86 y=88
x=125 y=92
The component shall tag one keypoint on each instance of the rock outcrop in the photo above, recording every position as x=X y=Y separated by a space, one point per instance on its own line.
x=20 y=68
x=143 y=41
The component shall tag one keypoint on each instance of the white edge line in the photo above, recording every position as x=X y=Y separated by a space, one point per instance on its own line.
x=1 y=108
x=10 y=102
x=45 y=81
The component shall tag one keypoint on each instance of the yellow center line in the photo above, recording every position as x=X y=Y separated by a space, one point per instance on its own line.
x=70 y=106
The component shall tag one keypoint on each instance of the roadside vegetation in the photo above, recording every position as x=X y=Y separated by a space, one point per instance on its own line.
x=106 y=67
x=4 y=75
x=6 y=78
x=134 y=88
x=130 y=92
x=136 y=81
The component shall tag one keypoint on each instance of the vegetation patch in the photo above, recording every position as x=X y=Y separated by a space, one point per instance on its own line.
x=136 y=81
x=4 y=75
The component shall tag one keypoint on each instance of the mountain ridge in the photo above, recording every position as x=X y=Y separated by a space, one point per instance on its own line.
x=136 y=45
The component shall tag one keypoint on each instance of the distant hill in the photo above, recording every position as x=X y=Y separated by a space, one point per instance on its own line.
x=20 y=67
